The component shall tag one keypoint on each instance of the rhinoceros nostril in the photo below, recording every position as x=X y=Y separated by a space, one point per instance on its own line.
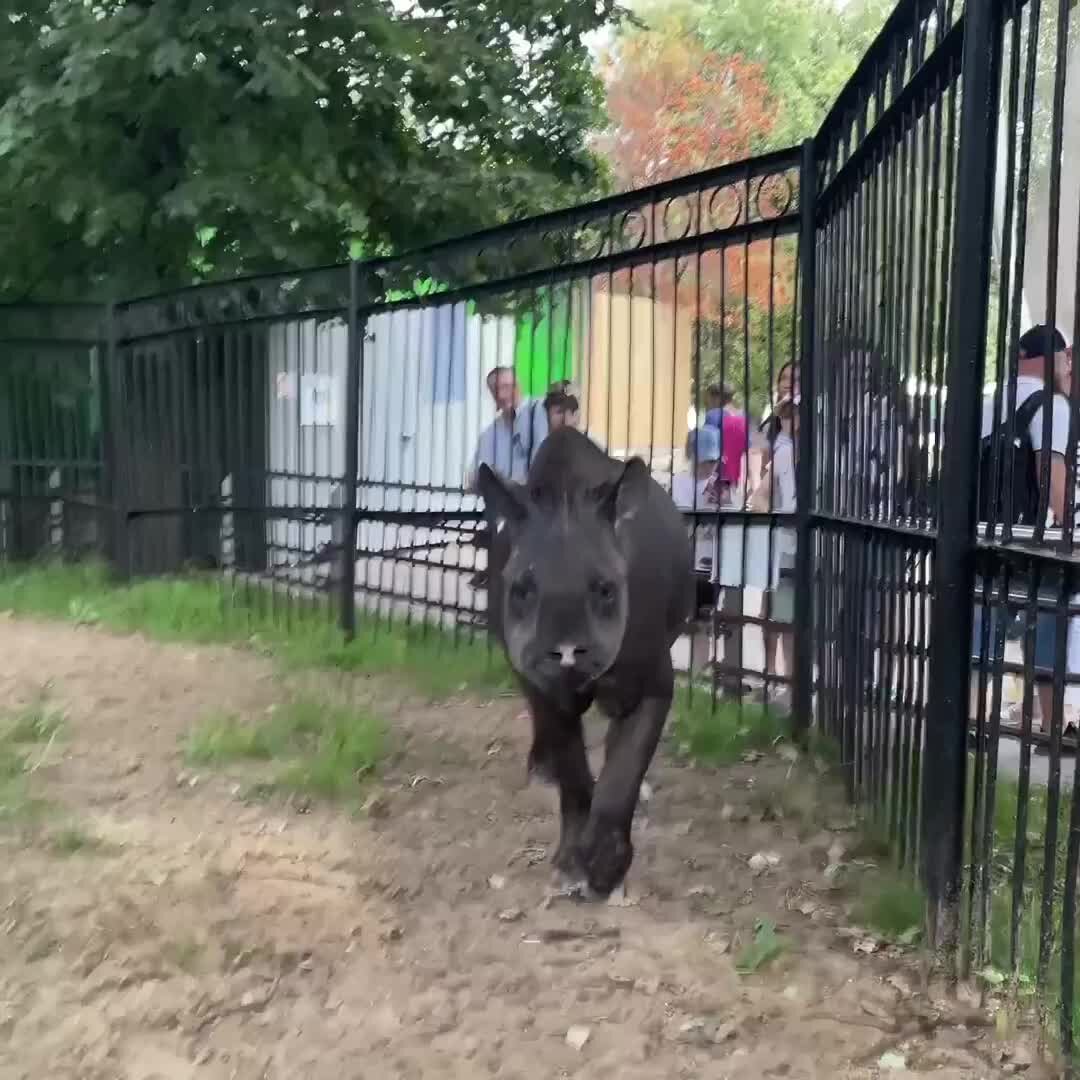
x=567 y=654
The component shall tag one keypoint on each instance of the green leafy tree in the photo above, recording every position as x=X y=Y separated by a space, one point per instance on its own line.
x=808 y=48
x=147 y=143
x=783 y=64
x=805 y=49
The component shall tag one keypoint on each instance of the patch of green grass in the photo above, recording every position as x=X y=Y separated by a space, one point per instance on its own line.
x=18 y=732
x=1020 y=978
x=73 y=839
x=891 y=904
x=221 y=739
x=13 y=788
x=436 y=662
x=763 y=948
x=300 y=632
x=326 y=750
x=720 y=732
x=12 y=762
x=339 y=760
x=184 y=953
x=35 y=723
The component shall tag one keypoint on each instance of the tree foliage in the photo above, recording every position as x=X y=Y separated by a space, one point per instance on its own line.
x=694 y=84
x=697 y=83
x=146 y=143
x=677 y=107
x=807 y=48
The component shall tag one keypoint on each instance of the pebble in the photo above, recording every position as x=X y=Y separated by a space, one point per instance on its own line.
x=693 y=1031
x=719 y=942
x=764 y=860
x=577 y=1036
x=724 y=1032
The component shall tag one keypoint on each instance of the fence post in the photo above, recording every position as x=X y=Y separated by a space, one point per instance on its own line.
x=352 y=455
x=803 y=675
x=945 y=755
x=115 y=480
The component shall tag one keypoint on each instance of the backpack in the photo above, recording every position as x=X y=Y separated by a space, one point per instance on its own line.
x=1017 y=459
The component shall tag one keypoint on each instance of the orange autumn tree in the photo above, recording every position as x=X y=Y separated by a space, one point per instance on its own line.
x=675 y=108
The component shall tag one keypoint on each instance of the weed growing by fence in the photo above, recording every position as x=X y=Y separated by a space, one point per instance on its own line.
x=720 y=732
x=24 y=735
x=324 y=750
x=206 y=609
x=891 y=904
x=1020 y=980
x=74 y=840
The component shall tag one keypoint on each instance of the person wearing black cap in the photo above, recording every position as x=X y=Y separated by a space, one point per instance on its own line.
x=1033 y=396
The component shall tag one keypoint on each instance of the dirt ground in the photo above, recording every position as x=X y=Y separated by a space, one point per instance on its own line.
x=221 y=938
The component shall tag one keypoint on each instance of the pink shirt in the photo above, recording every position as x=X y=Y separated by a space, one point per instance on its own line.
x=733 y=446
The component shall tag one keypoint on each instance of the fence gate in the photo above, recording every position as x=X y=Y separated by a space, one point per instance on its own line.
x=887 y=178
x=939 y=226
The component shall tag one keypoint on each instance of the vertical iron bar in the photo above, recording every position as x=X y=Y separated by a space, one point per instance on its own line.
x=109 y=489
x=352 y=455
x=944 y=773
x=802 y=691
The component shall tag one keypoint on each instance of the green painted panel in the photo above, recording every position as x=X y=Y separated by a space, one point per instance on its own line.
x=544 y=348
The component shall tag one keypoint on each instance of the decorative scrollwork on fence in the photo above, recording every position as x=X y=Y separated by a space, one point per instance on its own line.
x=665 y=222
x=601 y=238
x=310 y=292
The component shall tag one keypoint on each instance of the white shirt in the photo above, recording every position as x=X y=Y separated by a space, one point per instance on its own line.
x=1026 y=385
x=783 y=500
x=509 y=449
x=783 y=474
x=688 y=493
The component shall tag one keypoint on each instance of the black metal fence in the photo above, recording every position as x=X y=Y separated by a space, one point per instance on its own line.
x=310 y=438
x=241 y=422
x=947 y=215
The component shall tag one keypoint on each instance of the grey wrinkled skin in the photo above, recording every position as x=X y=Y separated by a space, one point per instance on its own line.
x=590 y=583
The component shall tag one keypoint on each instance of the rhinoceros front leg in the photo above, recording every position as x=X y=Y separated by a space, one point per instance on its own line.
x=558 y=755
x=605 y=848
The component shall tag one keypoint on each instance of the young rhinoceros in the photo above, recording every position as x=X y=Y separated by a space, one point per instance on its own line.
x=590 y=583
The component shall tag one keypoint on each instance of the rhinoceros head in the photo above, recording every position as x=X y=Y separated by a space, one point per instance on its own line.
x=563 y=587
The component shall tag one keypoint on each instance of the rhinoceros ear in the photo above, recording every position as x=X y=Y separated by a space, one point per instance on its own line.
x=621 y=500
x=504 y=500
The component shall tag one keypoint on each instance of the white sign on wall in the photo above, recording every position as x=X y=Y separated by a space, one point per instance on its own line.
x=318 y=400
x=285 y=384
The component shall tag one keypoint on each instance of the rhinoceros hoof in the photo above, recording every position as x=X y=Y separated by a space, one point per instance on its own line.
x=567 y=862
x=573 y=886
x=607 y=859
x=540 y=774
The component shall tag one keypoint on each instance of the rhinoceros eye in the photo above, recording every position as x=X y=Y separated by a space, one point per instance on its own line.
x=603 y=594
x=522 y=591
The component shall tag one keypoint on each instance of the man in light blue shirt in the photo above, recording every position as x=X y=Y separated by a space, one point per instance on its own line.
x=509 y=442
